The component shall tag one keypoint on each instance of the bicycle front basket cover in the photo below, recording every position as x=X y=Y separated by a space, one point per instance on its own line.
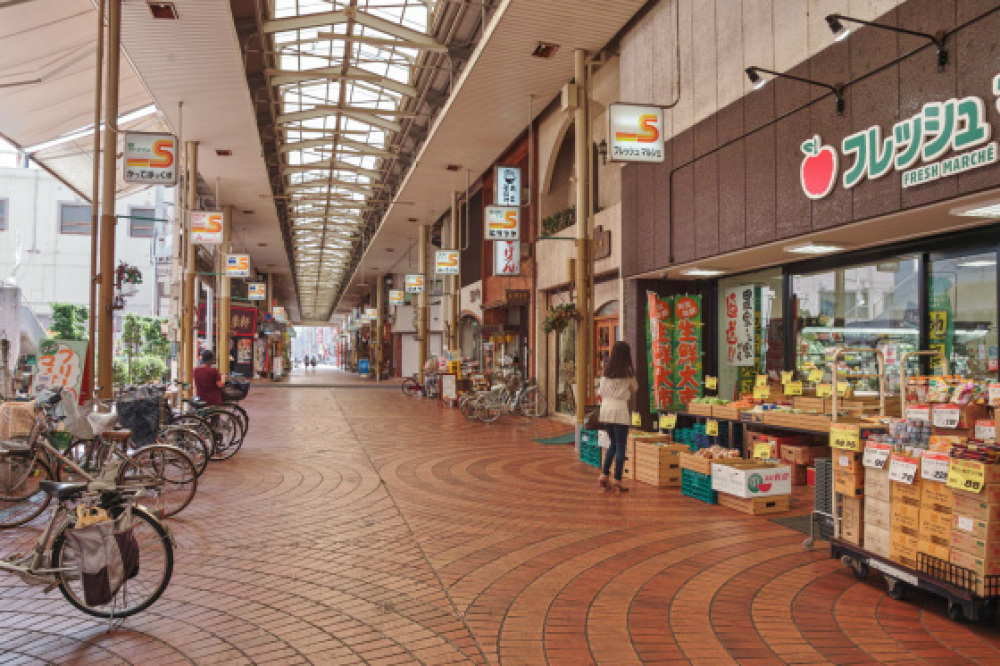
x=107 y=555
x=142 y=417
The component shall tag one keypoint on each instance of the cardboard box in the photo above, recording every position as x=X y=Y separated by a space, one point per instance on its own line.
x=905 y=555
x=695 y=463
x=802 y=454
x=848 y=461
x=935 y=524
x=937 y=494
x=878 y=513
x=877 y=540
x=877 y=483
x=989 y=494
x=905 y=514
x=800 y=475
x=852 y=522
x=751 y=480
x=911 y=492
x=970 y=506
x=980 y=529
x=967 y=416
x=849 y=485
x=978 y=547
x=756 y=505
x=983 y=566
x=933 y=548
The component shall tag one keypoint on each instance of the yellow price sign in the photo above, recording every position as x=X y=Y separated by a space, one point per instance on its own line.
x=761 y=451
x=668 y=421
x=761 y=393
x=711 y=383
x=761 y=381
x=824 y=390
x=793 y=388
x=843 y=389
x=712 y=428
x=636 y=420
x=845 y=436
x=816 y=375
x=786 y=376
x=967 y=475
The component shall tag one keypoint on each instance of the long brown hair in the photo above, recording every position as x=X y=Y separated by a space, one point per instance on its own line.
x=619 y=365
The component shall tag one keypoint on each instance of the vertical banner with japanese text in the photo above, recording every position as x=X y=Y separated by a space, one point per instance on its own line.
x=686 y=362
x=740 y=325
x=660 y=347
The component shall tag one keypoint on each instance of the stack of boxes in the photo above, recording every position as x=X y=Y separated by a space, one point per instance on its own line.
x=905 y=521
x=877 y=531
x=975 y=528
x=936 y=505
x=657 y=463
x=802 y=458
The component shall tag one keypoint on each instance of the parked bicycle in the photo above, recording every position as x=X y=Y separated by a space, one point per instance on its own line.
x=506 y=398
x=429 y=389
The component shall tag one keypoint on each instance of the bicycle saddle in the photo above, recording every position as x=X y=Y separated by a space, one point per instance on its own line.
x=14 y=447
x=62 y=491
x=197 y=403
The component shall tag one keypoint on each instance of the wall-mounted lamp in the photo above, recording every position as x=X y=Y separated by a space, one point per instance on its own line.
x=602 y=150
x=838 y=29
x=754 y=74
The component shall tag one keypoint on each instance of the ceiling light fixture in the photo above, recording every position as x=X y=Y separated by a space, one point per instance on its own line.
x=545 y=50
x=163 y=10
x=248 y=212
x=702 y=272
x=977 y=263
x=753 y=73
x=815 y=248
x=223 y=152
x=837 y=28
x=989 y=210
x=453 y=167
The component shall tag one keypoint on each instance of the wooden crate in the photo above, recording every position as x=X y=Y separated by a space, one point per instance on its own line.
x=658 y=464
x=727 y=412
x=695 y=463
x=756 y=505
x=700 y=410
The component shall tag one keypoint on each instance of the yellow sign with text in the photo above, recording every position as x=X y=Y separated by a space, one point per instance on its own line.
x=761 y=451
x=824 y=390
x=668 y=421
x=761 y=393
x=845 y=436
x=969 y=475
x=761 y=380
x=816 y=375
x=712 y=428
x=786 y=376
x=793 y=388
x=711 y=383
x=636 y=420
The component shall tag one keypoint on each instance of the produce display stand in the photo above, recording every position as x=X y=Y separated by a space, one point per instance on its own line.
x=956 y=585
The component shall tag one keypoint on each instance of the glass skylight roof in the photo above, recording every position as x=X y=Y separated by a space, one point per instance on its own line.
x=345 y=78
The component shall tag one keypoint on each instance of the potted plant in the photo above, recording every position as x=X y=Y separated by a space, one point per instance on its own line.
x=559 y=317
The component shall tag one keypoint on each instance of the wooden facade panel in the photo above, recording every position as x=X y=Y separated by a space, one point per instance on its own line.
x=706 y=206
x=793 y=210
x=760 y=193
x=682 y=214
x=732 y=197
x=645 y=220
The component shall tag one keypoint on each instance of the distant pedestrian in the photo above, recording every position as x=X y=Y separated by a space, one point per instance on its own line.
x=208 y=382
x=618 y=386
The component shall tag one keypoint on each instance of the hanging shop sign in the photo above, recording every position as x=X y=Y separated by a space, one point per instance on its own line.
x=660 y=349
x=507 y=257
x=206 y=226
x=687 y=365
x=242 y=320
x=414 y=284
x=636 y=133
x=61 y=364
x=149 y=158
x=518 y=296
x=503 y=223
x=740 y=326
x=673 y=336
x=446 y=262
x=371 y=313
x=396 y=297
x=257 y=291
x=237 y=265
x=279 y=314
x=943 y=139
x=507 y=186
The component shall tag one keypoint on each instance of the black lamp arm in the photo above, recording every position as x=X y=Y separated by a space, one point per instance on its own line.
x=938 y=41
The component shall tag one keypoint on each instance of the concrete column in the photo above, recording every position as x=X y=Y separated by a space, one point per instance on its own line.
x=582 y=150
x=422 y=341
x=225 y=297
x=378 y=337
x=453 y=281
x=188 y=303
x=106 y=316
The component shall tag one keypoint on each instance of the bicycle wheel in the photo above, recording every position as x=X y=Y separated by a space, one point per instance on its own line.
x=468 y=405
x=188 y=441
x=240 y=414
x=200 y=426
x=410 y=387
x=224 y=425
x=490 y=409
x=21 y=500
x=532 y=402
x=166 y=470
x=156 y=564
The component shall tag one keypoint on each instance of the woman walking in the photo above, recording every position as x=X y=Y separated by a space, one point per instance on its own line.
x=617 y=387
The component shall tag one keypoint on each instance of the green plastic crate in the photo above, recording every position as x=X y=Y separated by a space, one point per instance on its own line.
x=698 y=486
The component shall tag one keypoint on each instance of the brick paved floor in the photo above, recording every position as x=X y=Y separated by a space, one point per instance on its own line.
x=360 y=526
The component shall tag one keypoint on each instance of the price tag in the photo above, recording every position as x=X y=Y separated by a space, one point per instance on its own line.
x=876 y=455
x=793 y=388
x=786 y=376
x=761 y=451
x=903 y=469
x=986 y=430
x=947 y=416
x=816 y=375
x=845 y=436
x=636 y=420
x=918 y=412
x=995 y=394
x=966 y=475
x=824 y=390
x=761 y=381
x=843 y=389
x=712 y=428
x=668 y=421
x=711 y=383
x=761 y=393
x=934 y=466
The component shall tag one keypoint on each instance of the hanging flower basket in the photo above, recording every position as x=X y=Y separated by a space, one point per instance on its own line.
x=127 y=274
x=559 y=317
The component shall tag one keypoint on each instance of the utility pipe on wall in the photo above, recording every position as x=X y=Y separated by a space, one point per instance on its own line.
x=95 y=196
x=379 y=336
x=225 y=294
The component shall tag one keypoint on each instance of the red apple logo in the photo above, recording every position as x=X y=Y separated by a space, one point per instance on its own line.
x=819 y=168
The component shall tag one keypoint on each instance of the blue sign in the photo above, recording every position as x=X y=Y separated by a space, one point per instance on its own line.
x=363 y=366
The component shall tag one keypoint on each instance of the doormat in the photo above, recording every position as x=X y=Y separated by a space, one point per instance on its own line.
x=561 y=439
x=798 y=523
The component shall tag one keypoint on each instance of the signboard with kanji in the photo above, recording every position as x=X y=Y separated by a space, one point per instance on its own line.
x=503 y=223
x=660 y=347
x=257 y=291
x=674 y=340
x=507 y=186
x=740 y=326
x=61 y=363
x=396 y=297
x=149 y=158
x=279 y=314
x=506 y=257
x=446 y=262
x=237 y=265
x=206 y=226
x=414 y=284
x=242 y=320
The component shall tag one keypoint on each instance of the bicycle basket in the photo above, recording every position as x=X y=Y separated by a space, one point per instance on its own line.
x=235 y=390
x=142 y=417
x=16 y=419
x=107 y=555
x=61 y=439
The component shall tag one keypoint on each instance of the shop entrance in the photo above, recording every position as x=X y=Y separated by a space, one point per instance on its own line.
x=606 y=333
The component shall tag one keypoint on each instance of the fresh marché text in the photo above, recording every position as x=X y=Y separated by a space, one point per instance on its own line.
x=951 y=166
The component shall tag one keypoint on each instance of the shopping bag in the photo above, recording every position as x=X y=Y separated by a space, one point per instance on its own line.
x=107 y=555
x=603 y=439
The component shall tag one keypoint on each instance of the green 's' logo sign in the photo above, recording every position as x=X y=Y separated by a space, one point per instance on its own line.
x=943 y=139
